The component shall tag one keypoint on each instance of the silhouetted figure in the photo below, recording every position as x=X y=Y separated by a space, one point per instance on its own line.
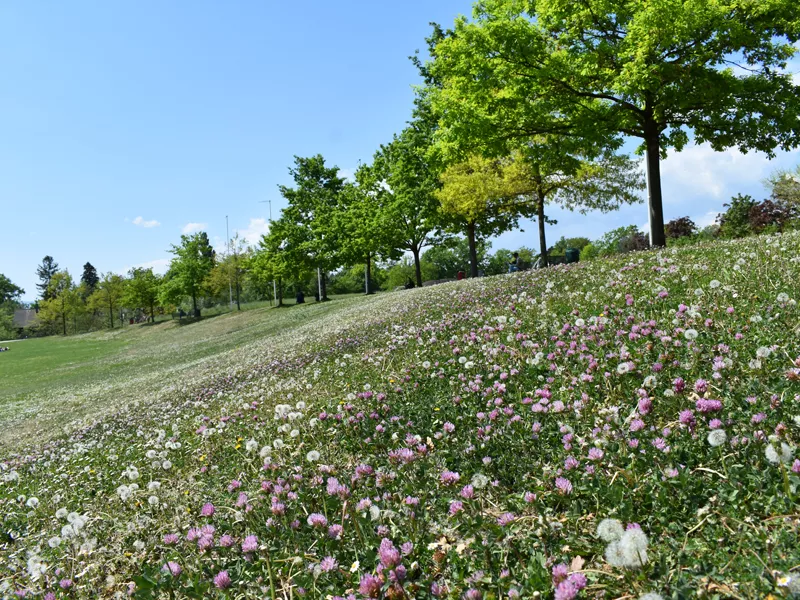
x=300 y=298
x=513 y=264
x=409 y=284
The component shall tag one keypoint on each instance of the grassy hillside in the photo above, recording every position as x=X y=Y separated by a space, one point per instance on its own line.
x=621 y=428
x=49 y=384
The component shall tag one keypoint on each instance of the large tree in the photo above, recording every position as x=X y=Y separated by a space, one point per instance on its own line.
x=312 y=240
x=194 y=259
x=408 y=169
x=602 y=69
x=45 y=272
x=141 y=290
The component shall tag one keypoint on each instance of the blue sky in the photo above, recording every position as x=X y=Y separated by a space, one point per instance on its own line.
x=124 y=124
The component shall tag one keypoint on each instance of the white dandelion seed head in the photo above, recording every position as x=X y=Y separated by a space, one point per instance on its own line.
x=614 y=556
x=610 y=530
x=32 y=502
x=312 y=456
x=479 y=481
x=633 y=545
x=61 y=513
x=54 y=542
x=153 y=500
x=690 y=334
x=763 y=352
x=717 y=437
x=651 y=596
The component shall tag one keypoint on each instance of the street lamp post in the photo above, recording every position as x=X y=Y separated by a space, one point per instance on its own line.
x=274 y=284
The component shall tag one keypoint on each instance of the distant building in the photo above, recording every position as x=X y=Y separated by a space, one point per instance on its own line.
x=25 y=318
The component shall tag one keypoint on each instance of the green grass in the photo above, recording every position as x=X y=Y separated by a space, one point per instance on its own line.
x=45 y=383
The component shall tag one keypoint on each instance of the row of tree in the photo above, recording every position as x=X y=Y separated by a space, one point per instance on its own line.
x=529 y=103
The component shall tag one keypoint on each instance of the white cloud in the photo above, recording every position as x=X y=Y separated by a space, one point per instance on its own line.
x=700 y=171
x=253 y=232
x=147 y=224
x=190 y=228
x=707 y=219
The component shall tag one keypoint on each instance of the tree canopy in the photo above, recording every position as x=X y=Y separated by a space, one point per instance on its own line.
x=600 y=70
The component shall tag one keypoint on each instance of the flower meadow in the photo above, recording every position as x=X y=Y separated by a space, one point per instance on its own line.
x=625 y=428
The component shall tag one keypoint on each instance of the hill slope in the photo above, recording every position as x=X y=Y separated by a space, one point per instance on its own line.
x=618 y=428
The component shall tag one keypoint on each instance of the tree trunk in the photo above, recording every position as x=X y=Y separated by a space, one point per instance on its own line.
x=194 y=305
x=111 y=313
x=324 y=282
x=238 y=290
x=417 y=265
x=152 y=313
x=64 y=319
x=368 y=274
x=280 y=292
x=655 y=205
x=540 y=218
x=473 y=251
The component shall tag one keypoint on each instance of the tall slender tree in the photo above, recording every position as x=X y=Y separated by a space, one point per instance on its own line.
x=45 y=272
x=89 y=279
x=141 y=290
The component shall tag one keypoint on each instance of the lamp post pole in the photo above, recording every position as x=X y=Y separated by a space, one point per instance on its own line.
x=274 y=284
x=230 y=288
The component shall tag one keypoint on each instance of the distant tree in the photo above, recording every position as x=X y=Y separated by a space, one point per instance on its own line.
x=678 y=228
x=45 y=272
x=785 y=187
x=141 y=290
x=621 y=239
x=735 y=221
x=89 y=278
x=404 y=270
x=445 y=260
x=579 y=243
x=61 y=303
x=8 y=291
x=770 y=215
x=227 y=277
x=108 y=295
x=193 y=261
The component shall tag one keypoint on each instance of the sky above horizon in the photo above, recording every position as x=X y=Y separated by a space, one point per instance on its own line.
x=124 y=125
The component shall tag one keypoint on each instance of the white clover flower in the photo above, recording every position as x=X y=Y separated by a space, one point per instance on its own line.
x=251 y=446
x=610 y=530
x=32 y=502
x=312 y=456
x=717 y=437
x=756 y=319
x=690 y=334
x=763 y=352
